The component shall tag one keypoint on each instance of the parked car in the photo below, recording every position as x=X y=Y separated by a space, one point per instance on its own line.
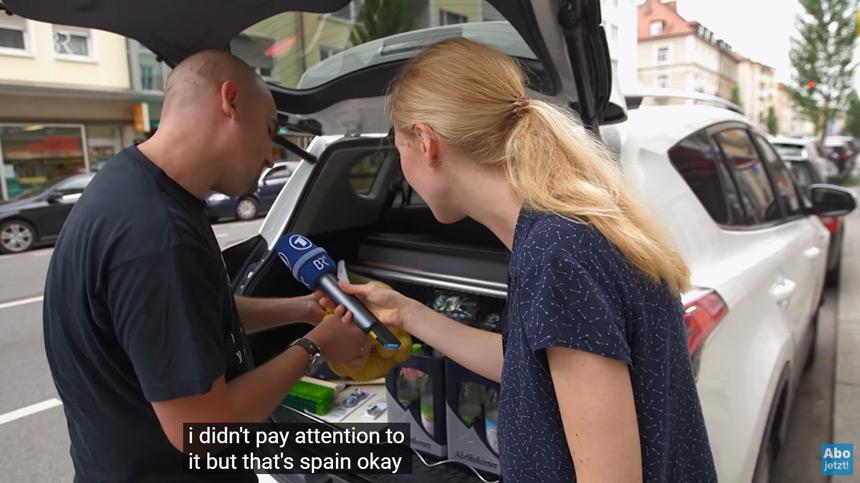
x=35 y=217
x=807 y=176
x=757 y=254
x=806 y=149
x=663 y=96
x=254 y=204
x=842 y=150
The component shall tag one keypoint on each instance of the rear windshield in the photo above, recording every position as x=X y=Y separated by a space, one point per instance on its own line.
x=302 y=50
x=791 y=150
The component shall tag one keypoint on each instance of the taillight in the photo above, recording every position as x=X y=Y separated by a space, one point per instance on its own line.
x=831 y=223
x=703 y=310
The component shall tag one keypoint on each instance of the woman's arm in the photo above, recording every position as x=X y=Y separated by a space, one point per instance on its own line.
x=595 y=398
x=259 y=314
x=478 y=350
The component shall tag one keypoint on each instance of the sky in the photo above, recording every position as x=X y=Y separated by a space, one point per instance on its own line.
x=758 y=29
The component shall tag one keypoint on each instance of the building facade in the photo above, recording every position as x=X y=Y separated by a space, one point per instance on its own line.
x=619 y=22
x=789 y=121
x=67 y=101
x=680 y=54
x=758 y=89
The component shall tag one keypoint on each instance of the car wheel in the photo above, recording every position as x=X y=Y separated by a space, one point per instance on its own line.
x=16 y=236
x=246 y=209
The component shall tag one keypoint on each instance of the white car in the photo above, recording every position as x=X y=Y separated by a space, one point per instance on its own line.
x=805 y=149
x=757 y=258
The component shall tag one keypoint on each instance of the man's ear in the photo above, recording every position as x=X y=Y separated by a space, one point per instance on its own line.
x=427 y=143
x=229 y=99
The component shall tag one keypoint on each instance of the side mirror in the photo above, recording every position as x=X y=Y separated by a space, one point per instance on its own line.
x=54 y=197
x=830 y=200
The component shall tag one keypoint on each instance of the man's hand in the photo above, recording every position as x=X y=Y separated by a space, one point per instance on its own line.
x=339 y=341
x=259 y=314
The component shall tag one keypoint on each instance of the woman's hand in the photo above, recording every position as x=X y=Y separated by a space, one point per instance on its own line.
x=389 y=306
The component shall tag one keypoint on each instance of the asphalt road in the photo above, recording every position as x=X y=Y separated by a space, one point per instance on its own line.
x=34 y=442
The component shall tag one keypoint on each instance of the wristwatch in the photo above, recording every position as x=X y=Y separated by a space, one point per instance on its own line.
x=314 y=354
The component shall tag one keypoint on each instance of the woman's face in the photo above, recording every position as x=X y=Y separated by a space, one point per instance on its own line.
x=427 y=171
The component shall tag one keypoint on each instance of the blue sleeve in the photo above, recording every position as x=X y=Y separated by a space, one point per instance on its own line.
x=166 y=315
x=572 y=305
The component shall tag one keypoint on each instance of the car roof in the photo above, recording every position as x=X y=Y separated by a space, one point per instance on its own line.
x=658 y=128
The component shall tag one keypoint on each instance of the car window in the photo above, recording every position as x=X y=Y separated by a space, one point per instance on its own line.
x=697 y=159
x=754 y=188
x=363 y=174
x=805 y=175
x=299 y=50
x=73 y=185
x=279 y=173
x=782 y=182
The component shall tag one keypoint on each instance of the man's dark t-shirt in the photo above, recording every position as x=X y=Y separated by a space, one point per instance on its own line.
x=569 y=287
x=138 y=308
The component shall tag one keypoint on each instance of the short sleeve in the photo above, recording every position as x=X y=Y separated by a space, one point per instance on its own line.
x=166 y=314
x=572 y=306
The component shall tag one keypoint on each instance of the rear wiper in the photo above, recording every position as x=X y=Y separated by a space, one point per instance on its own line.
x=294 y=148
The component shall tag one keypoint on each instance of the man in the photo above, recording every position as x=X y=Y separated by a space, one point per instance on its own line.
x=142 y=331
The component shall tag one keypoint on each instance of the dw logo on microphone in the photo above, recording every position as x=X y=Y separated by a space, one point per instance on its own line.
x=299 y=242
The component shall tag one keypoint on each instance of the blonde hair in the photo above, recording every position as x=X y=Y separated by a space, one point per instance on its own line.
x=473 y=98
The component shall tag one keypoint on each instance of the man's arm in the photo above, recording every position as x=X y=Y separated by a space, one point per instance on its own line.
x=253 y=396
x=258 y=314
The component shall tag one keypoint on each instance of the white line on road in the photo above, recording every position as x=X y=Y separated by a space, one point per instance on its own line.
x=16 y=303
x=44 y=253
x=29 y=410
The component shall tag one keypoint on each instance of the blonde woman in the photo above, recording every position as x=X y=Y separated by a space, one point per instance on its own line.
x=596 y=381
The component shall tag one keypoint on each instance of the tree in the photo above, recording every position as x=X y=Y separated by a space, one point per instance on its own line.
x=852 y=117
x=772 y=127
x=381 y=18
x=736 y=97
x=821 y=59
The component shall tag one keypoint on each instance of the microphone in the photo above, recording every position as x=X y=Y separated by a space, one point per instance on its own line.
x=315 y=269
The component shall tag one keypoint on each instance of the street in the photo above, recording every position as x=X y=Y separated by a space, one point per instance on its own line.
x=34 y=441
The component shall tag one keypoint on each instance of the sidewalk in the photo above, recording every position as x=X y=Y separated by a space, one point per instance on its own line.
x=846 y=398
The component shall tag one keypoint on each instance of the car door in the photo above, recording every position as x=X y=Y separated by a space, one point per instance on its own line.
x=770 y=208
x=805 y=263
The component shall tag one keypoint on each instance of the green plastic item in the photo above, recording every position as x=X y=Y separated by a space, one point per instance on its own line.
x=307 y=396
x=417 y=348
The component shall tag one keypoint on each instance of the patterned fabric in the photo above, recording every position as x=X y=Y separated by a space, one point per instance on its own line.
x=569 y=287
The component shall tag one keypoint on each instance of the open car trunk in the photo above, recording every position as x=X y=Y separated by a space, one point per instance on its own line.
x=362 y=212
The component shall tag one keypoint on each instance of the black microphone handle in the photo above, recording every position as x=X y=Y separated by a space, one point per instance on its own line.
x=360 y=315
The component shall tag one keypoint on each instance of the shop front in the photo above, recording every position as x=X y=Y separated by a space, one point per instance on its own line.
x=35 y=155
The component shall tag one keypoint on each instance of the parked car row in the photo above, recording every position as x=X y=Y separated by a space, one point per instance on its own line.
x=751 y=232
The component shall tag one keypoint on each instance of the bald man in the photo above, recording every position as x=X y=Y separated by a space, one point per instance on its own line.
x=142 y=331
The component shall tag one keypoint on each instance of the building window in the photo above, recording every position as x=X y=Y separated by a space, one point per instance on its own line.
x=35 y=156
x=656 y=27
x=73 y=43
x=14 y=36
x=663 y=81
x=447 y=17
x=326 y=52
x=151 y=71
x=662 y=55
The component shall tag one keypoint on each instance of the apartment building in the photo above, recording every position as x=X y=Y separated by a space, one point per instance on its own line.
x=681 y=54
